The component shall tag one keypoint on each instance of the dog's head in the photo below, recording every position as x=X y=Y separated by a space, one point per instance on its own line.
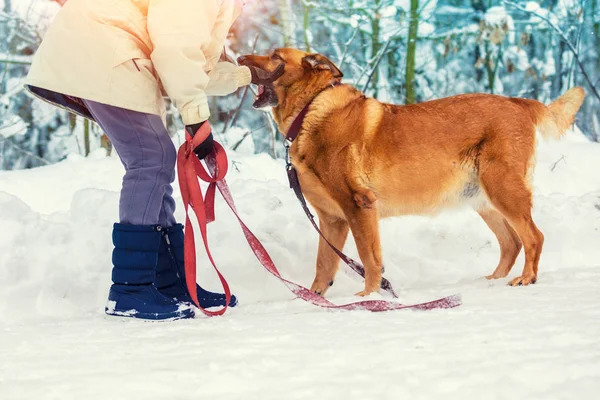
x=302 y=71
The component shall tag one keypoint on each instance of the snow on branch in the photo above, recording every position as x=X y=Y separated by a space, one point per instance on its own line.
x=563 y=37
x=15 y=59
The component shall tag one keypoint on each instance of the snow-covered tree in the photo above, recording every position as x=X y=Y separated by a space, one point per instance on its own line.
x=399 y=51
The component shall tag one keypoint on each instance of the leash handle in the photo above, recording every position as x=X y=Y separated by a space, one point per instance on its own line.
x=189 y=170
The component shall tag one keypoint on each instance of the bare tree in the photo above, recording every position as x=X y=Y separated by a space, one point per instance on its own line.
x=287 y=24
x=565 y=39
x=413 y=34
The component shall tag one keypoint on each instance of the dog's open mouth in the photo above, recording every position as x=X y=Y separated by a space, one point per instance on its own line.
x=266 y=97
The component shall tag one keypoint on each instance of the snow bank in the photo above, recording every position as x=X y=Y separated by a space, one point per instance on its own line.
x=539 y=342
x=55 y=248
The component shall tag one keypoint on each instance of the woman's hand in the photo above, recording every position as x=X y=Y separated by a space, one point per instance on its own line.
x=206 y=147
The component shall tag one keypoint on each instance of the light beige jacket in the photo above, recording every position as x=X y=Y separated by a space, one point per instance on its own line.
x=124 y=52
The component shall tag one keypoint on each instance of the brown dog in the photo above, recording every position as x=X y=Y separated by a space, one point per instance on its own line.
x=359 y=160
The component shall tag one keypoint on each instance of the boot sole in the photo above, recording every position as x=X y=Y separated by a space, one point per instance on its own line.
x=185 y=314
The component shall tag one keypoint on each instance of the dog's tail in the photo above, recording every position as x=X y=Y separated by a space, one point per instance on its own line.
x=554 y=119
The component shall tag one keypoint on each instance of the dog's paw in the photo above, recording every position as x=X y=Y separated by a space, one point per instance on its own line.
x=523 y=280
x=365 y=293
x=495 y=276
x=321 y=287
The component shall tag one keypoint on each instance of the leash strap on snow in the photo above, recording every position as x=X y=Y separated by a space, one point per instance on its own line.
x=305 y=294
x=217 y=164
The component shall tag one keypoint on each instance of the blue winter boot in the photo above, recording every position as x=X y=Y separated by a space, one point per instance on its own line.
x=135 y=260
x=170 y=275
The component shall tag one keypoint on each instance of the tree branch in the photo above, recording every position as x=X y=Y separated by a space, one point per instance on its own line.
x=236 y=113
x=30 y=154
x=377 y=61
x=347 y=46
x=564 y=38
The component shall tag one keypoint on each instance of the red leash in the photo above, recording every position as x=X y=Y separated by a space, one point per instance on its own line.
x=190 y=169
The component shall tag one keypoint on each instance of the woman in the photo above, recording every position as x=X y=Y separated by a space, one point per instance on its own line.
x=111 y=61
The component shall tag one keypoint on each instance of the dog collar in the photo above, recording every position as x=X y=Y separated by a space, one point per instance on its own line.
x=299 y=120
x=297 y=125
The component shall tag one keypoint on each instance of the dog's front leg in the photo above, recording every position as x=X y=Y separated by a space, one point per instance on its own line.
x=364 y=223
x=336 y=231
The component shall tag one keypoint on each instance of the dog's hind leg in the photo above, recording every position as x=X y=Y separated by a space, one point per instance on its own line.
x=509 y=193
x=510 y=244
x=336 y=232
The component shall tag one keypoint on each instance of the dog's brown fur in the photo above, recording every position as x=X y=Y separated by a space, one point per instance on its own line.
x=360 y=160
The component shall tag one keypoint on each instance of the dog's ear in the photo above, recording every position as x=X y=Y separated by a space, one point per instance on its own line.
x=319 y=62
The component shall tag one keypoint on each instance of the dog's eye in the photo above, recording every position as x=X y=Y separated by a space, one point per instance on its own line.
x=276 y=57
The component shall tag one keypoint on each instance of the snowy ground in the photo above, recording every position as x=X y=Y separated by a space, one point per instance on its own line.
x=537 y=342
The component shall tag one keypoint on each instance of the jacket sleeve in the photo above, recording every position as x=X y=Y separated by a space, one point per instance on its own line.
x=181 y=32
x=225 y=78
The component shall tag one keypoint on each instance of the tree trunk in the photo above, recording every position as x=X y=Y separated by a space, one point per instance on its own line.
x=596 y=10
x=5 y=33
x=306 y=28
x=413 y=32
x=492 y=65
x=86 y=136
x=287 y=26
x=558 y=83
x=375 y=47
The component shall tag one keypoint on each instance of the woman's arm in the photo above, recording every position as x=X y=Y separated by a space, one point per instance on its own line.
x=181 y=31
x=226 y=78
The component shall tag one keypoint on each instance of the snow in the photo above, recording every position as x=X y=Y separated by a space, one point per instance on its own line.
x=12 y=125
x=452 y=10
x=497 y=17
x=535 y=8
x=548 y=67
x=532 y=6
x=536 y=342
x=518 y=57
x=425 y=10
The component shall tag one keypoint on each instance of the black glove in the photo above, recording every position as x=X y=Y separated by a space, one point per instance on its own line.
x=262 y=77
x=206 y=147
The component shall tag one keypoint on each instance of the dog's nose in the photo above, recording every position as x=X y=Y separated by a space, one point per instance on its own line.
x=241 y=59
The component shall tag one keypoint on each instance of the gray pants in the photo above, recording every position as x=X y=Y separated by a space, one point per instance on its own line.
x=148 y=154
